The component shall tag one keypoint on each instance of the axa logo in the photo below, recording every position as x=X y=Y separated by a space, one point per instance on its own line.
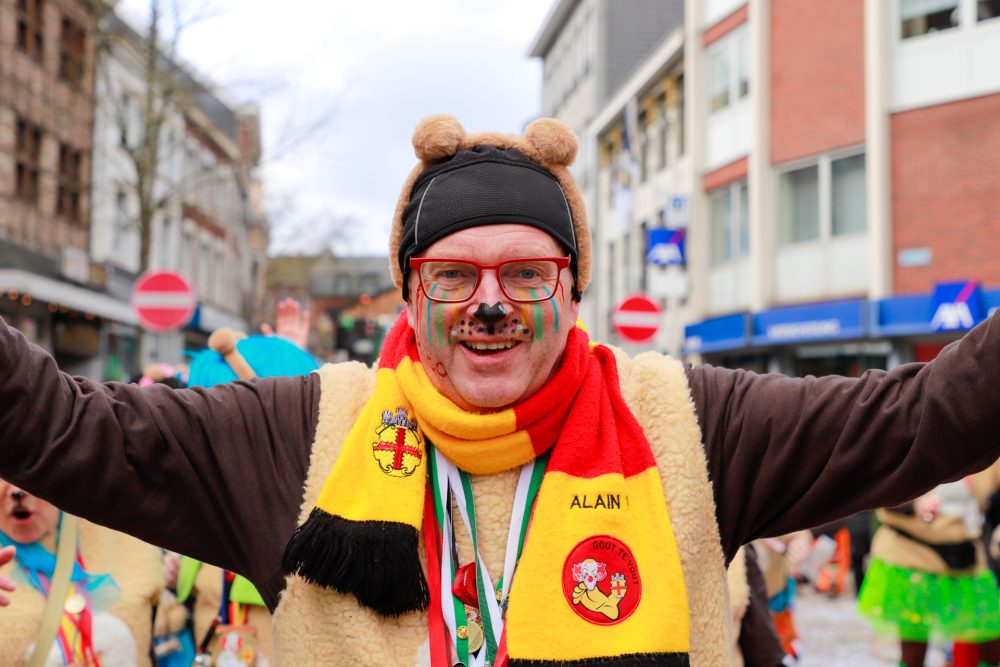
x=951 y=316
x=664 y=254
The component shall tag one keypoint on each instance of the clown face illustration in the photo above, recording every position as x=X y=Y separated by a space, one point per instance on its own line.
x=589 y=572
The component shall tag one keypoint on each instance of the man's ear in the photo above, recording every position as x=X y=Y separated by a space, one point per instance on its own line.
x=574 y=310
x=411 y=314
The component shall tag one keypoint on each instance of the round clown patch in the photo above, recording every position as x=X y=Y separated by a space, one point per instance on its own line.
x=601 y=580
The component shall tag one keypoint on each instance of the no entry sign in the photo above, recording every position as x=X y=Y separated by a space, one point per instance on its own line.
x=637 y=318
x=163 y=300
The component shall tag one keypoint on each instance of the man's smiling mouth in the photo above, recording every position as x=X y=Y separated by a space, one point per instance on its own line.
x=492 y=346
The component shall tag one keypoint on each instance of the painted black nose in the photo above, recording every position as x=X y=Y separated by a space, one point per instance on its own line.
x=18 y=495
x=490 y=314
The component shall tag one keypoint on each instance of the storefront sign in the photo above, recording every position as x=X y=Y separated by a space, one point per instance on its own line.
x=837 y=320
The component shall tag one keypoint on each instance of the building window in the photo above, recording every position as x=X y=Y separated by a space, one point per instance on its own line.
x=848 y=195
x=121 y=221
x=919 y=17
x=204 y=270
x=662 y=131
x=729 y=227
x=644 y=141
x=72 y=52
x=718 y=80
x=30 y=27
x=729 y=70
x=800 y=205
x=823 y=200
x=680 y=115
x=28 y=150
x=70 y=190
x=988 y=9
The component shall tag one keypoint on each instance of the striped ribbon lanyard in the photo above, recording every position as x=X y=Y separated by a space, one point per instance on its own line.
x=448 y=482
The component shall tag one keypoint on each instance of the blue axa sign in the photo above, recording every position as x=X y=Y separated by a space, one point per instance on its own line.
x=957 y=306
x=666 y=247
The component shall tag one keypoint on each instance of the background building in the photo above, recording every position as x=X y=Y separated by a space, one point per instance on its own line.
x=50 y=288
x=75 y=110
x=824 y=170
x=843 y=219
x=591 y=50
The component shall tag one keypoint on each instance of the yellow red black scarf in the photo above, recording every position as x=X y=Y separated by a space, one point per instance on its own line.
x=600 y=570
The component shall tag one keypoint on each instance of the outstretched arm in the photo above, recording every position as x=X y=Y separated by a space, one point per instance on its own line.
x=213 y=473
x=790 y=453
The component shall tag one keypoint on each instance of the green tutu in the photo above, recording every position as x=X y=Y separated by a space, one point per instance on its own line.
x=914 y=605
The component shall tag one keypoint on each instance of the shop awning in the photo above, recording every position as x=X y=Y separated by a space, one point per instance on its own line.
x=78 y=298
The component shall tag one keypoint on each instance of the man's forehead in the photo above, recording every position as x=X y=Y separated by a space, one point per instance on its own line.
x=498 y=239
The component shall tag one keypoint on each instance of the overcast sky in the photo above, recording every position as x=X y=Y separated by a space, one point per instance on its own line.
x=341 y=86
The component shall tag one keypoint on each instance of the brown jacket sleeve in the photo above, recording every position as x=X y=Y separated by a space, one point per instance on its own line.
x=789 y=453
x=216 y=474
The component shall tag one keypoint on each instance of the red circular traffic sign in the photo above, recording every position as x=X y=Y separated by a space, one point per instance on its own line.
x=163 y=300
x=637 y=318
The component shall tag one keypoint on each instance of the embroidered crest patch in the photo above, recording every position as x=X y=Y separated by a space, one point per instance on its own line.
x=601 y=580
x=397 y=449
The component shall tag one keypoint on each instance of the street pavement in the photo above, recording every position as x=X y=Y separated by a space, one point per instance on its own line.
x=834 y=635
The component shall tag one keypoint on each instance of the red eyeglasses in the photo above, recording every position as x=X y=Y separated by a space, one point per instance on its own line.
x=524 y=280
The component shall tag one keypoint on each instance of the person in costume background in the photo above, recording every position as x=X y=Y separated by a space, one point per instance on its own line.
x=929 y=577
x=224 y=602
x=114 y=584
x=778 y=558
x=488 y=395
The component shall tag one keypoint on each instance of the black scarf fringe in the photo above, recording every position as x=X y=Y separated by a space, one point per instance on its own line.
x=376 y=561
x=633 y=660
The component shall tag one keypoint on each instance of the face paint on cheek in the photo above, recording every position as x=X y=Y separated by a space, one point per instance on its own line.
x=555 y=310
x=536 y=309
x=439 y=331
x=523 y=316
x=430 y=306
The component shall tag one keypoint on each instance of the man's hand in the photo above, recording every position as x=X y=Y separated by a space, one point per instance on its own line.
x=290 y=322
x=6 y=583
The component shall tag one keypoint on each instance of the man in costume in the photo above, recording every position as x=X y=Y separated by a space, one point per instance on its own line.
x=492 y=434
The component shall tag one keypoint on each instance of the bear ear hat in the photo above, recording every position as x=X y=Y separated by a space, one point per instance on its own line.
x=554 y=140
x=437 y=137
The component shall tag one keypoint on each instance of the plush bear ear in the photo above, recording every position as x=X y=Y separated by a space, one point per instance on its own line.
x=554 y=141
x=437 y=136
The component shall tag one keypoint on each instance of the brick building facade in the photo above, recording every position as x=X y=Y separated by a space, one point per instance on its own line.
x=847 y=157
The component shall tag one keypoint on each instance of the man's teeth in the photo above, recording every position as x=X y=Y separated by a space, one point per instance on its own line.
x=490 y=346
